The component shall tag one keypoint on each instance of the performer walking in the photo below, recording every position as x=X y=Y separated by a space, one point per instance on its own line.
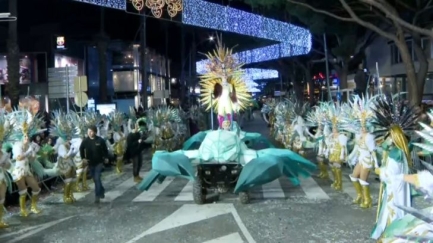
x=94 y=151
x=117 y=120
x=5 y=164
x=64 y=130
x=81 y=168
x=363 y=155
x=24 y=155
x=393 y=121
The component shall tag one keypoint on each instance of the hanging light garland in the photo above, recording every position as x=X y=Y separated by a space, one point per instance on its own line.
x=157 y=6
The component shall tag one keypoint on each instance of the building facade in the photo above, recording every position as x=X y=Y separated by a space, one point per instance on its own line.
x=383 y=57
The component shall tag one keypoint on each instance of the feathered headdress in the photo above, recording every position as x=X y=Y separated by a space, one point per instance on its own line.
x=317 y=115
x=334 y=114
x=5 y=127
x=25 y=124
x=222 y=66
x=78 y=122
x=427 y=134
x=91 y=118
x=116 y=119
x=62 y=126
x=395 y=119
x=163 y=114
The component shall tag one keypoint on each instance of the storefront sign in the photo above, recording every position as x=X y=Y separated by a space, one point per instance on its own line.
x=60 y=41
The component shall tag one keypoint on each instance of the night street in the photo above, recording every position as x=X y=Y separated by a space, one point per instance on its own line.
x=279 y=212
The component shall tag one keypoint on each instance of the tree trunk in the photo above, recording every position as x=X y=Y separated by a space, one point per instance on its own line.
x=102 y=54
x=414 y=95
x=423 y=65
x=13 y=58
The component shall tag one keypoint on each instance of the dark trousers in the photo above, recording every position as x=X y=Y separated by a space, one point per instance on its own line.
x=95 y=173
x=137 y=162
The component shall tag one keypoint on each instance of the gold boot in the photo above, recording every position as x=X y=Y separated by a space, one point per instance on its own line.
x=66 y=192
x=84 y=185
x=76 y=186
x=367 y=202
x=33 y=208
x=358 y=188
x=119 y=166
x=23 y=209
x=338 y=179
x=2 y=213
x=323 y=171
x=71 y=192
x=334 y=174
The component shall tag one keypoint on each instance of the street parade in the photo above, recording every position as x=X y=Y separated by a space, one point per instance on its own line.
x=377 y=133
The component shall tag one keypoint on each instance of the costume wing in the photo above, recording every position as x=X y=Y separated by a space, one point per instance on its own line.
x=415 y=238
x=271 y=164
x=168 y=164
x=194 y=140
x=252 y=139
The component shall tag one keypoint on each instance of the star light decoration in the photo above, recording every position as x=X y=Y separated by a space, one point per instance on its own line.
x=293 y=40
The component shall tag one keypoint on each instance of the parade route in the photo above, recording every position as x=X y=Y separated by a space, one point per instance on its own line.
x=279 y=212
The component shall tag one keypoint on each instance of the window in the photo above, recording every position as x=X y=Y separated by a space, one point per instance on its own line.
x=427 y=47
x=394 y=54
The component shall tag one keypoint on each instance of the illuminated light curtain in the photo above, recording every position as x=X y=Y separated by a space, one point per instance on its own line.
x=157 y=6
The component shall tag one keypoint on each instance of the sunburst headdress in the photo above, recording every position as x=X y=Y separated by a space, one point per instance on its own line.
x=358 y=113
x=222 y=67
x=25 y=124
x=116 y=119
x=62 y=126
x=392 y=118
x=334 y=114
x=5 y=127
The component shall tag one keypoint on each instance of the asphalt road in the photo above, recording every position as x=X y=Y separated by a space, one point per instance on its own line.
x=279 y=212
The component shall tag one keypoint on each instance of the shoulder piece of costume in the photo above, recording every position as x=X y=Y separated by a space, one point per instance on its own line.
x=116 y=120
x=223 y=69
x=25 y=124
x=61 y=126
x=395 y=119
x=5 y=128
x=427 y=134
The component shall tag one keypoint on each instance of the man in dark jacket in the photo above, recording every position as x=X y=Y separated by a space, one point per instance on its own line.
x=361 y=81
x=135 y=144
x=94 y=152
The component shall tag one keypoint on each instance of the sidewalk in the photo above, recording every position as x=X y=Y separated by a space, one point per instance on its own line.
x=257 y=125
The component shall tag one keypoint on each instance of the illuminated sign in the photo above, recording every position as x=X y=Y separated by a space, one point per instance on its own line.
x=60 y=41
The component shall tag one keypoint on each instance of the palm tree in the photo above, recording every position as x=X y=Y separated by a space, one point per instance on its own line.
x=13 y=57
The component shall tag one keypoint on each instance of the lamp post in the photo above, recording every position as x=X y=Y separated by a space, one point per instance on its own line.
x=327 y=67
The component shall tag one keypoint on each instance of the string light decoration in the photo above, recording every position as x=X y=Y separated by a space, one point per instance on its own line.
x=293 y=40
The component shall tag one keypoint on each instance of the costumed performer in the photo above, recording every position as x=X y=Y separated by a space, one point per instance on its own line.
x=64 y=130
x=223 y=85
x=317 y=118
x=393 y=122
x=300 y=129
x=117 y=120
x=5 y=165
x=25 y=126
x=80 y=125
x=336 y=145
x=363 y=155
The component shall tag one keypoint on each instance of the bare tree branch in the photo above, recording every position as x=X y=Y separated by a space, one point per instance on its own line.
x=399 y=2
x=391 y=13
x=321 y=11
x=428 y=6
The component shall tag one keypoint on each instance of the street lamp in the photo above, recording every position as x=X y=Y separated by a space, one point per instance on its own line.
x=6 y=17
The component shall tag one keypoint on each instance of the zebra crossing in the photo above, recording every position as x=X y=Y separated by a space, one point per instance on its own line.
x=179 y=190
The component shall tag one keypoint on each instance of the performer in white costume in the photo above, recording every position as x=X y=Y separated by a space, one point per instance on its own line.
x=5 y=164
x=81 y=168
x=63 y=128
x=336 y=145
x=363 y=155
x=117 y=121
x=393 y=123
x=317 y=118
x=25 y=126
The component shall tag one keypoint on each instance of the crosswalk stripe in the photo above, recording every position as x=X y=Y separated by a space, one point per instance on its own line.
x=119 y=190
x=153 y=192
x=312 y=190
x=348 y=187
x=186 y=193
x=232 y=238
x=273 y=190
